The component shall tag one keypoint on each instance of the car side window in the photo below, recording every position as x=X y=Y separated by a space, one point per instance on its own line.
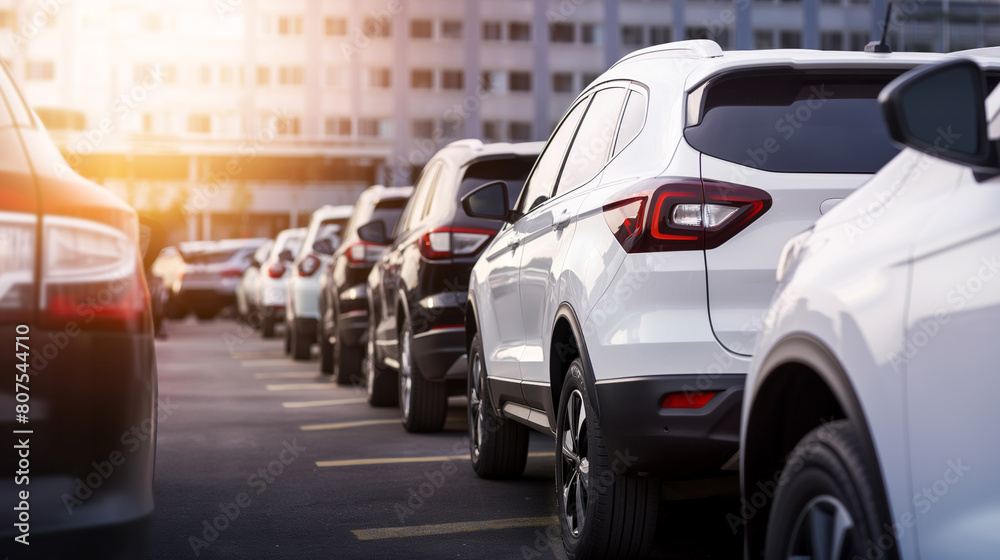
x=592 y=144
x=539 y=186
x=633 y=119
x=415 y=209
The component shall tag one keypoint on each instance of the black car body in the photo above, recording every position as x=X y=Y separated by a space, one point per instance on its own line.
x=343 y=292
x=419 y=286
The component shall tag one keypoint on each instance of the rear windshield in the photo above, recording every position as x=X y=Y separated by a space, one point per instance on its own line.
x=389 y=211
x=795 y=122
x=512 y=171
x=330 y=229
x=292 y=243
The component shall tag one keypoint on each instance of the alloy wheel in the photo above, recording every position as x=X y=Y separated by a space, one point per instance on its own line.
x=575 y=465
x=821 y=530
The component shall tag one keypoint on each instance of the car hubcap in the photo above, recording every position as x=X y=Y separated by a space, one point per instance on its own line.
x=405 y=375
x=575 y=465
x=475 y=405
x=821 y=530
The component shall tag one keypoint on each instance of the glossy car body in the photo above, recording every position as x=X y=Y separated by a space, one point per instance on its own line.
x=302 y=284
x=343 y=298
x=274 y=272
x=421 y=280
x=883 y=325
x=643 y=248
x=211 y=272
x=248 y=288
x=86 y=363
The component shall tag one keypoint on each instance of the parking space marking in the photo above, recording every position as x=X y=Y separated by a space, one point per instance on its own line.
x=300 y=386
x=341 y=425
x=451 y=528
x=335 y=402
x=400 y=460
x=263 y=354
x=287 y=375
x=268 y=363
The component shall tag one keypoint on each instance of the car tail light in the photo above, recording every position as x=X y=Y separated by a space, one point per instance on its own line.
x=17 y=266
x=445 y=243
x=688 y=400
x=363 y=253
x=308 y=265
x=683 y=214
x=231 y=273
x=276 y=270
x=91 y=274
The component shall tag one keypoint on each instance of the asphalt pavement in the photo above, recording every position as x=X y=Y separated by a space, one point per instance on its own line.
x=259 y=456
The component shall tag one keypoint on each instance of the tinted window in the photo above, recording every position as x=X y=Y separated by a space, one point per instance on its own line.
x=794 y=122
x=330 y=229
x=388 y=211
x=414 y=210
x=633 y=117
x=593 y=141
x=512 y=171
x=543 y=178
x=293 y=244
x=20 y=111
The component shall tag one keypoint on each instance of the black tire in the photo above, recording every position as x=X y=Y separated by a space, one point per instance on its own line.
x=325 y=350
x=826 y=474
x=423 y=404
x=346 y=358
x=288 y=339
x=300 y=345
x=267 y=323
x=381 y=381
x=617 y=518
x=498 y=446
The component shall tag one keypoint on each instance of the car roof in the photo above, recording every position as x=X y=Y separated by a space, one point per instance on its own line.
x=328 y=211
x=463 y=152
x=381 y=192
x=290 y=232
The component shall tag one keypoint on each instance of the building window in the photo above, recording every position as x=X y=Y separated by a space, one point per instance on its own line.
x=377 y=27
x=368 y=128
x=562 y=33
x=380 y=78
x=147 y=122
x=589 y=78
x=423 y=128
x=199 y=124
x=226 y=75
x=288 y=126
x=491 y=131
x=335 y=27
x=421 y=29
x=290 y=75
x=562 y=82
x=831 y=41
x=859 y=39
x=520 y=81
x=659 y=34
x=152 y=23
x=763 y=39
x=494 y=82
x=632 y=36
x=592 y=34
x=205 y=75
x=720 y=36
x=492 y=31
x=169 y=74
x=289 y=25
x=336 y=77
x=40 y=70
x=422 y=79
x=518 y=131
x=518 y=31
x=7 y=19
x=452 y=79
x=790 y=39
x=338 y=126
x=452 y=128
x=451 y=29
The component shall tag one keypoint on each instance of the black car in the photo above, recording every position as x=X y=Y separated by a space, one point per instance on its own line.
x=419 y=286
x=80 y=402
x=343 y=291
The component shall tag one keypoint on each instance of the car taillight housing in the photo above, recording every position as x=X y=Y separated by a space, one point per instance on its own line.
x=448 y=242
x=231 y=273
x=17 y=266
x=91 y=275
x=683 y=214
x=363 y=253
x=308 y=265
x=276 y=270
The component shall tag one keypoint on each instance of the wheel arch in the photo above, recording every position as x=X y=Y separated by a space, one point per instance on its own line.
x=566 y=344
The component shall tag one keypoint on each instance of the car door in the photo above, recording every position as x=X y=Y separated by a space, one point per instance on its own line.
x=548 y=230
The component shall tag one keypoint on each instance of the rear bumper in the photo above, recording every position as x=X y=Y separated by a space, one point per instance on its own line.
x=272 y=292
x=671 y=442
x=440 y=353
x=205 y=298
x=302 y=298
x=353 y=315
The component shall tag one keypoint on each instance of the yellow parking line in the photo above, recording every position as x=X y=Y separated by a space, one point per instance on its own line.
x=248 y=355
x=340 y=425
x=300 y=386
x=450 y=528
x=398 y=460
x=287 y=375
x=335 y=402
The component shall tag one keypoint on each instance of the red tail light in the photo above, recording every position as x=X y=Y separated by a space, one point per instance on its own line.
x=308 y=265
x=276 y=270
x=232 y=273
x=684 y=214
x=445 y=243
x=688 y=400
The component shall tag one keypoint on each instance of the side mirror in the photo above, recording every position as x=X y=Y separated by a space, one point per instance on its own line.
x=374 y=232
x=152 y=237
x=324 y=246
x=940 y=110
x=286 y=255
x=490 y=202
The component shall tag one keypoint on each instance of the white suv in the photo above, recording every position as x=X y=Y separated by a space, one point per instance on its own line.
x=618 y=307
x=876 y=371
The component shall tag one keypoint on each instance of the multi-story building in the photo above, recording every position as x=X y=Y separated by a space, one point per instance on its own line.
x=238 y=117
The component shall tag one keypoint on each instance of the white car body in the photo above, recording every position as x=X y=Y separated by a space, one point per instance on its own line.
x=888 y=309
x=247 y=291
x=270 y=287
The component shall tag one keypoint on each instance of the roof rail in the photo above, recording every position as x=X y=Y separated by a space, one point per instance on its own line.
x=471 y=143
x=698 y=48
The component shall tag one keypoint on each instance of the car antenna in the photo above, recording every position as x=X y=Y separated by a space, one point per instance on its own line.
x=880 y=46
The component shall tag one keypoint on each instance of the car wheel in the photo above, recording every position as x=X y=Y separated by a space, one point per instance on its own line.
x=498 y=446
x=380 y=380
x=423 y=403
x=602 y=513
x=325 y=350
x=346 y=358
x=301 y=346
x=267 y=323
x=826 y=507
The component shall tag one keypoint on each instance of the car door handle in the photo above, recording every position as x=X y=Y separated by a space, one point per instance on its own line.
x=562 y=221
x=513 y=242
